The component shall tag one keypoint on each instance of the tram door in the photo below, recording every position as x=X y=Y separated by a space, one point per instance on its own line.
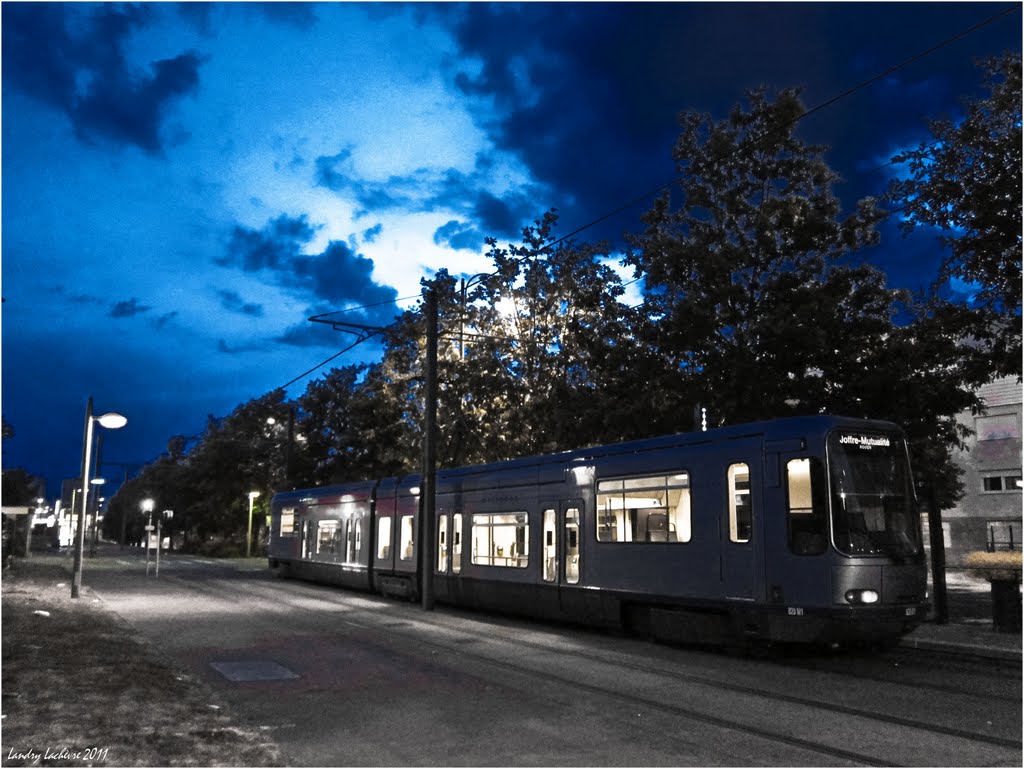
x=561 y=546
x=741 y=530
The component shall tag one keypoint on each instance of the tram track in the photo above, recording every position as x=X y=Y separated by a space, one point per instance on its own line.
x=410 y=631
x=617 y=659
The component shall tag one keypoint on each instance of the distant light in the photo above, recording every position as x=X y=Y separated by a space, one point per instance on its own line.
x=112 y=420
x=147 y=505
x=98 y=481
x=253 y=494
x=414 y=490
x=271 y=421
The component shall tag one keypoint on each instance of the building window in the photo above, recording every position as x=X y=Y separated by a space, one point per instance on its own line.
x=1001 y=483
x=501 y=540
x=998 y=427
x=650 y=509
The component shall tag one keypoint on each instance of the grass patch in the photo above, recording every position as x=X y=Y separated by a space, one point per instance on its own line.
x=80 y=688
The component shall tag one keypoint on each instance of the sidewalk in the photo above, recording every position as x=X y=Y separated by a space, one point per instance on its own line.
x=969 y=630
x=974 y=637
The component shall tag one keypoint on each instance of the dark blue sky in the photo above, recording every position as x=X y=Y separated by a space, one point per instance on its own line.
x=185 y=184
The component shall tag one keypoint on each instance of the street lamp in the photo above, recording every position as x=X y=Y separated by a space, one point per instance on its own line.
x=160 y=537
x=111 y=421
x=248 y=539
x=147 y=509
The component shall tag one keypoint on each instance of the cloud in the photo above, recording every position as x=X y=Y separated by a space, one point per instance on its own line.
x=71 y=57
x=338 y=275
x=370 y=235
x=459 y=235
x=129 y=308
x=299 y=15
x=271 y=248
x=232 y=301
x=164 y=319
x=426 y=190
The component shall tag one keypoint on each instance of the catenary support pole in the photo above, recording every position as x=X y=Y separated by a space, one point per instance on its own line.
x=429 y=456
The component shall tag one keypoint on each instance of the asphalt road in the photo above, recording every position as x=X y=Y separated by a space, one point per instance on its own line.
x=341 y=678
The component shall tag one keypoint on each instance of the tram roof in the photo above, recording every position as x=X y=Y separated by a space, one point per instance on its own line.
x=773 y=429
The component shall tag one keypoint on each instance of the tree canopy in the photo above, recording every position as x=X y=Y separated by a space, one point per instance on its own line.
x=966 y=184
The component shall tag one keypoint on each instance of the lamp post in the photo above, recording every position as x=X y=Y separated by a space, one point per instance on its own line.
x=147 y=509
x=248 y=539
x=160 y=537
x=111 y=421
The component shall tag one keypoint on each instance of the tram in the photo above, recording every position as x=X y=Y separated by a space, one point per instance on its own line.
x=802 y=529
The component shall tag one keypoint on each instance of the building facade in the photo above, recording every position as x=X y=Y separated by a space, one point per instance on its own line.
x=989 y=515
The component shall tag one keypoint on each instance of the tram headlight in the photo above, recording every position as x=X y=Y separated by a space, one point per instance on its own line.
x=862 y=596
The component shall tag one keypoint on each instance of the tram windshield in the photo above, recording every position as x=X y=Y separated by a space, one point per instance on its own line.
x=873 y=506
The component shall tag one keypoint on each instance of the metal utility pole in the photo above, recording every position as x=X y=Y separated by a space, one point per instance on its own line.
x=427 y=507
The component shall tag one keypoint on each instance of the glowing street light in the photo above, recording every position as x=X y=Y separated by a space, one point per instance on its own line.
x=111 y=421
x=249 y=539
x=146 y=506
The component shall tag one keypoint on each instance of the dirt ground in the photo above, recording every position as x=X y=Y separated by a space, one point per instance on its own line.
x=81 y=689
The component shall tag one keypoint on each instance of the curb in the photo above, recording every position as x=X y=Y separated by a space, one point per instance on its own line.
x=963 y=649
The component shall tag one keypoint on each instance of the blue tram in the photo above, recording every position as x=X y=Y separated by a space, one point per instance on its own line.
x=802 y=529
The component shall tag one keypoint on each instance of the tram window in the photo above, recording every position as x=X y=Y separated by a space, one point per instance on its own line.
x=407 y=540
x=649 y=509
x=807 y=521
x=740 y=514
x=359 y=537
x=383 y=538
x=326 y=538
x=550 y=559
x=287 y=522
x=501 y=540
x=442 y=544
x=351 y=540
x=572 y=546
x=457 y=543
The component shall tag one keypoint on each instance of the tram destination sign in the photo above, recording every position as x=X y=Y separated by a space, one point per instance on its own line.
x=867 y=442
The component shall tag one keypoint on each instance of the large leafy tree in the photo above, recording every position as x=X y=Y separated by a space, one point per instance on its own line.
x=747 y=297
x=760 y=305
x=966 y=183
x=534 y=357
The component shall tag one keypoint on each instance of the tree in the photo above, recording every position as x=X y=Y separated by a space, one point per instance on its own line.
x=735 y=274
x=966 y=182
x=535 y=361
x=760 y=305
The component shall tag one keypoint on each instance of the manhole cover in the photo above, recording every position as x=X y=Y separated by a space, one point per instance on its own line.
x=252 y=671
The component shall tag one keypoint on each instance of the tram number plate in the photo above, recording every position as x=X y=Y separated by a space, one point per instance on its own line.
x=911 y=612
